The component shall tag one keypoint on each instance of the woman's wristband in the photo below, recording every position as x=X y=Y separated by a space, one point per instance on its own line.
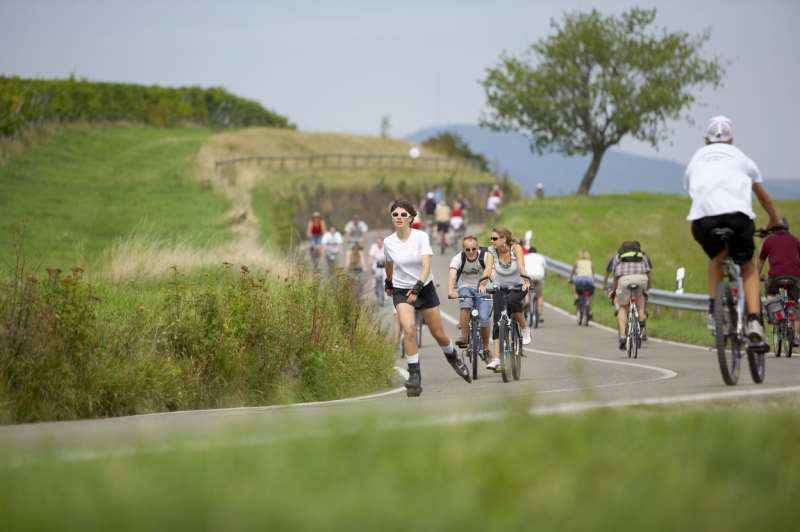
x=417 y=288
x=525 y=277
x=482 y=279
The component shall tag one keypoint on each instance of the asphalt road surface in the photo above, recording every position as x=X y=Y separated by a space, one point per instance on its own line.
x=566 y=368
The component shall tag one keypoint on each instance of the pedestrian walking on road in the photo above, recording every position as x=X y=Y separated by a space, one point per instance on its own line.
x=410 y=283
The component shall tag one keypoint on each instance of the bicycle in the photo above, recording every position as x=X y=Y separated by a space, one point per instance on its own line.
x=510 y=337
x=474 y=350
x=633 y=331
x=781 y=312
x=532 y=309
x=379 y=274
x=315 y=255
x=729 y=318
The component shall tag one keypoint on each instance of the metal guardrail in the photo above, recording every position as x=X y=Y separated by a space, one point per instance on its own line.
x=664 y=298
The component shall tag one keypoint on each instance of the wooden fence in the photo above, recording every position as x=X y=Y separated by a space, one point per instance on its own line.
x=352 y=161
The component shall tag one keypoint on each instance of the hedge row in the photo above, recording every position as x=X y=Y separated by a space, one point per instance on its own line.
x=29 y=102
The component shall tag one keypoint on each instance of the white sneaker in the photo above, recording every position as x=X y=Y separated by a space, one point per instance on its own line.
x=494 y=365
x=526 y=336
x=755 y=332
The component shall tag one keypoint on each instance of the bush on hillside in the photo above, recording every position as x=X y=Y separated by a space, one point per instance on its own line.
x=26 y=103
x=69 y=349
x=453 y=145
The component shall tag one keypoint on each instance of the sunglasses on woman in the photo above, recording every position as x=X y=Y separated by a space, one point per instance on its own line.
x=495 y=238
x=401 y=214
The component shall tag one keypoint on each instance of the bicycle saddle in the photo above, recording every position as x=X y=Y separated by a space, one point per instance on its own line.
x=722 y=232
x=785 y=281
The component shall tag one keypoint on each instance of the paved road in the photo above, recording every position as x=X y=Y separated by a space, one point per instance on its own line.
x=565 y=365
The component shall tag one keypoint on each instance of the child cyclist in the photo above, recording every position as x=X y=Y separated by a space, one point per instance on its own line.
x=410 y=283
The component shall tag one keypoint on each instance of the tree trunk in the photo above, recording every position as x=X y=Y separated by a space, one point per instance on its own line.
x=591 y=172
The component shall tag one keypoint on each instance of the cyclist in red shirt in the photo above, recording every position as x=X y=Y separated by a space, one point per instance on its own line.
x=782 y=249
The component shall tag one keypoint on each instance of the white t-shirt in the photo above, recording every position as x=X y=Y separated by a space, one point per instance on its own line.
x=493 y=202
x=407 y=258
x=471 y=274
x=535 y=266
x=720 y=180
x=376 y=254
x=356 y=229
x=332 y=241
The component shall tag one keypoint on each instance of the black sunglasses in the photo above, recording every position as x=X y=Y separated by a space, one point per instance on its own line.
x=495 y=238
x=401 y=214
x=470 y=249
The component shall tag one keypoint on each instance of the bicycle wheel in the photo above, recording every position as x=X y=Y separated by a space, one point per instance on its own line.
x=516 y=351
x=535 y=314
x=777 y=339
x=789 y=339
x=629 y=334
x=505 y=353
x=475 y=345
x=636 y=337
x=402 y=346
x=727 y=343
x=758 y=364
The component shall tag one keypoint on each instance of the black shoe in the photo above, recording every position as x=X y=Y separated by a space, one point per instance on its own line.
x=459 y=367
x=462 y=343
x=486 y=356
x=622 y=342
x=414 y=383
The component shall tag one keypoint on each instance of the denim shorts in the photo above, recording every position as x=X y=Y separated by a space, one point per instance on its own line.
x=484 y=306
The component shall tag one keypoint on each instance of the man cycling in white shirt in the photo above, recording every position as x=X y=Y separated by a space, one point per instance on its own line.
x=720 y=179
x=535 y=268
x=355 y=230
x=466 y=269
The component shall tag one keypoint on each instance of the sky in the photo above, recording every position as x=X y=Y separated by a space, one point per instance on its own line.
x=342 y=66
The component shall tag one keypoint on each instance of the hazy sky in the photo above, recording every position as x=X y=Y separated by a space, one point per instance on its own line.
x=341 y=66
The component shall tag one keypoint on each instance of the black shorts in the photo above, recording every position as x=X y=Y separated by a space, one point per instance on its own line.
x=442 y=227
x=514 y=302
x=741 y=244
x=427 y=298
x=792 y=290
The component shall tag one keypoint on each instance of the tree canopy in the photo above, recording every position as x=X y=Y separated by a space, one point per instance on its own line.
x=596 y=79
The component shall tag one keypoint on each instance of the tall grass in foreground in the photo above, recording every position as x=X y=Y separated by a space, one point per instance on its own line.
x=728 y=470
x=223 y=337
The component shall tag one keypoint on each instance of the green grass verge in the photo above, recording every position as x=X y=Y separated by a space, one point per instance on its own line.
x=71 y=349
x=87 y=187
x=722 y=471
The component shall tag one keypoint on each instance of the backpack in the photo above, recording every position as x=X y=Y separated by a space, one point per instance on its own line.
x=429 y=206
x=481 y=260
x=631 y=252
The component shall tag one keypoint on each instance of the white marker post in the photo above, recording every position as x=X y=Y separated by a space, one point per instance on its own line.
x=413 y=152
x=681 y=274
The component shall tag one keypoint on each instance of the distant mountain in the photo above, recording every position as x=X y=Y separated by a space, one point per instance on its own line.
x=619 y=171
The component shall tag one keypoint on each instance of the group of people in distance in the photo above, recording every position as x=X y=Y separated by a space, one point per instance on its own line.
x=409 y=280
x=719 y=179
x=326 y=241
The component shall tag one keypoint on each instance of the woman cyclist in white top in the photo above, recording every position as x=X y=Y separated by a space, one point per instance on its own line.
x=506 y=265
x=410 y=283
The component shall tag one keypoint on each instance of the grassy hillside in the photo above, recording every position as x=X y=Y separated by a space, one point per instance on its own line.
x=87 y=187
x=727 y=470
x=564 y=225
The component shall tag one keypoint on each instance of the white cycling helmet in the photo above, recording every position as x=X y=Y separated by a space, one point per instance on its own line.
x=719 y=129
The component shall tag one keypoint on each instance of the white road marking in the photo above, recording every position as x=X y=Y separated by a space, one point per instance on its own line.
x=664 y=373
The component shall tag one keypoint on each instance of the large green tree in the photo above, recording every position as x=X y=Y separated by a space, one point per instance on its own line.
x=595 y=80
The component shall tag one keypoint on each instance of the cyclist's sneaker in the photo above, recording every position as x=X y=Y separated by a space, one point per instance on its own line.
x=486 y=356
x=755 y=332
x=462 y=342
x=526 y=336
x=493 y=365
x=622 y=341
x=711 y=323
x=414 y=383
x=459 y=366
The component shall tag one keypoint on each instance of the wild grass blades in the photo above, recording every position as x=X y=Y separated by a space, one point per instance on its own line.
x=223 y=336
